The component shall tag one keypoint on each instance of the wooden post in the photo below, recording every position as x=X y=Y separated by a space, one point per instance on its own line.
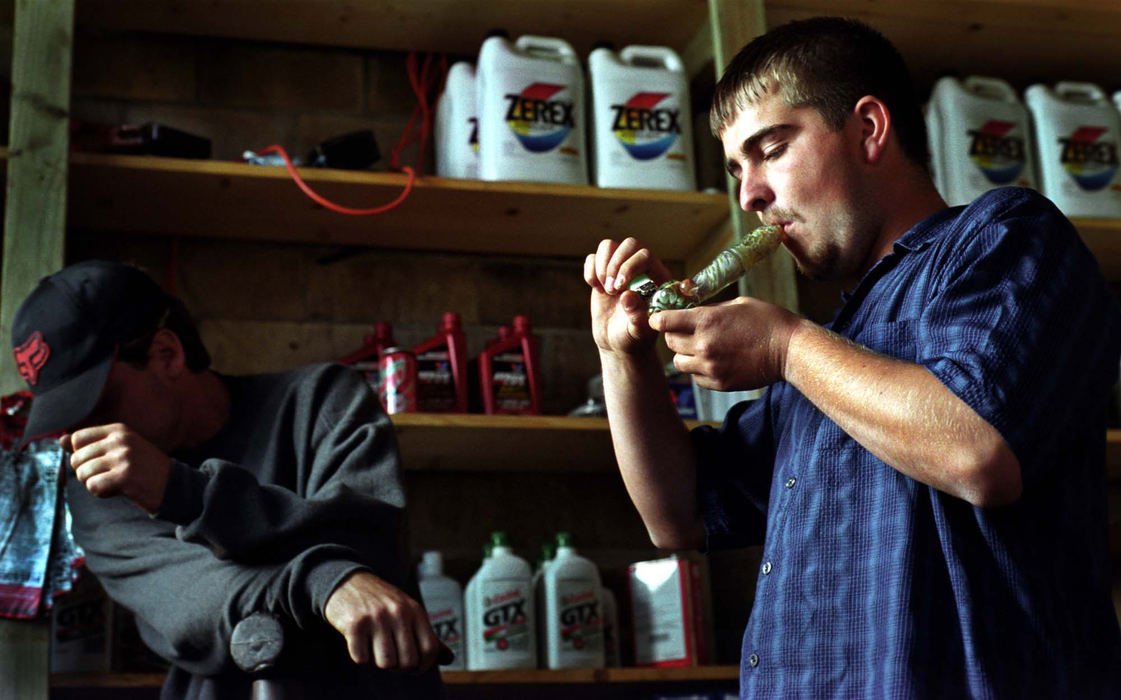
x=34 y=239
x=35 y=210
x=734 y=23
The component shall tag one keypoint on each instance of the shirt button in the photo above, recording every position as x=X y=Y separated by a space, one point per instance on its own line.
x=753 y=660
x=790 y=482
x=767 y=568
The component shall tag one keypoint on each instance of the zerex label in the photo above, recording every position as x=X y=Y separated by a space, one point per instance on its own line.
x=505 y=620
x=648 y=125
x=541 y=116
x=1089 y=155
x=580 y=619
x=997 y=149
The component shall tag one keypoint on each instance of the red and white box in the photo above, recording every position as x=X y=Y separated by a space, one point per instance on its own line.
x=670 y=611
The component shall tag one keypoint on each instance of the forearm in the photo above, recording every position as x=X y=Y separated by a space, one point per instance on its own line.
x=653 y=449
x=904 y=415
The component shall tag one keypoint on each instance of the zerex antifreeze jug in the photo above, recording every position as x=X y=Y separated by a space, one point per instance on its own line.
x=457 y=125
x=531 y=111
x=642 y=132
x=1076 y=132
x=980 y=138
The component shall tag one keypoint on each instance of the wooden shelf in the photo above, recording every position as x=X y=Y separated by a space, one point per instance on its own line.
x=450 y=26
x=1020 y=40
x=1103 y=238
x=468 y=442
x=593 y=675
x=170 y=196
x=526 y=677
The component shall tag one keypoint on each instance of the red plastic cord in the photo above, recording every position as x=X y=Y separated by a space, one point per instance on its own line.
x=422 y=81
x=319 y=199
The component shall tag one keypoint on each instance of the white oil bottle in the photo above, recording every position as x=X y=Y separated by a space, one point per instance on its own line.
x=501 y=613
x=1076 y=131
x=641 y=129
x=530 y=97
x=456 y=132
x=979 y=136
x=443 y=599
x=574 y=616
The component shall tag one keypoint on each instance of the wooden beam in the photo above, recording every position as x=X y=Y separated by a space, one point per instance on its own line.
x=34 y=233
x=35 y=211
x=734 y=23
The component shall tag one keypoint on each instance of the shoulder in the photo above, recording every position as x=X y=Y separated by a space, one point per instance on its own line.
x=317 y=384
x=1016 y=222
x=1012 y=209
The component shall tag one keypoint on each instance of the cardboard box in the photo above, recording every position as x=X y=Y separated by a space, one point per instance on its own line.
x=81 y=629
x=671 y=613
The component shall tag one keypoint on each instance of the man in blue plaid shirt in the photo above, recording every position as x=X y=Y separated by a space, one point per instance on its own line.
x=926 y=473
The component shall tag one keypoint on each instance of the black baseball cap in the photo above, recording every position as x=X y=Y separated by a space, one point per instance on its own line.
x=66 y=334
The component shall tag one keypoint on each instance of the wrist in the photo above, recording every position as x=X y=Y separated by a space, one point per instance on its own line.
x=802 y=337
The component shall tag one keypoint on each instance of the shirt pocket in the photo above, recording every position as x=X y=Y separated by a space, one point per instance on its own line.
x=892 y=338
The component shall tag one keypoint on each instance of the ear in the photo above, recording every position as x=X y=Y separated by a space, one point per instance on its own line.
x=875 y=127
x=166 y=354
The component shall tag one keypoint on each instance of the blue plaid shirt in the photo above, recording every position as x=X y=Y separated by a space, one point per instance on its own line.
x=877 y=586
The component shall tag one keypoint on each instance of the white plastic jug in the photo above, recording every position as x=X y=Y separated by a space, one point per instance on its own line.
x=548 y=553
x=457 y=126
x=979 y=135
x=531 y=111
x=471 y=625
x=642 y=131
x=573 y=611
x=501 y=613
x=443 y=599
x=1076 y=134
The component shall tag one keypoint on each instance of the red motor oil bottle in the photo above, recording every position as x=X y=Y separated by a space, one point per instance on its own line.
x=367 y=359
x=508 y=372
x=441 y=363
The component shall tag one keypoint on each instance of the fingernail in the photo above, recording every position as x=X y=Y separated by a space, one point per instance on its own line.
x=609 y=285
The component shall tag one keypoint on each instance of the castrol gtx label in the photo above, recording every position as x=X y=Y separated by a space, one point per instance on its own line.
x=541 y=116
x=581 y=626
x=446 y=624
x=506 y=621
x=1090 y=156
x=647 y=125
x=998 y=153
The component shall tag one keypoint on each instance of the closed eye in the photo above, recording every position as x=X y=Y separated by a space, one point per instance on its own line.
x=774 y=152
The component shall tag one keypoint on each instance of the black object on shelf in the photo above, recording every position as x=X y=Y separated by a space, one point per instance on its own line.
x=353 y=151
x=143 y=139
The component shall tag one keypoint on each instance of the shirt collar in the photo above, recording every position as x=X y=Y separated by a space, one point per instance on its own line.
x=913 y=239
x=925 y=231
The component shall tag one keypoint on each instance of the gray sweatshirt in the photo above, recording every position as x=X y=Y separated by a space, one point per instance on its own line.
x=300 y=488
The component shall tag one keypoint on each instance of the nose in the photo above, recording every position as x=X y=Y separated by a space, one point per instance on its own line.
x=754 y=193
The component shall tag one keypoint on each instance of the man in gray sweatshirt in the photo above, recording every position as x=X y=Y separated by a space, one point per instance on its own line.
x=201 y=498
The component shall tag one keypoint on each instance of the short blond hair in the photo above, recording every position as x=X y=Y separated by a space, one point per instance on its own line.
x=827 y=63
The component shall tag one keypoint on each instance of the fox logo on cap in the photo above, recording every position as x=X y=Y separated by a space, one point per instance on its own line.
x=31 y=356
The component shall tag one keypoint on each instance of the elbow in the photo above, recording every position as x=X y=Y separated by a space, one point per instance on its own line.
x=991 y=477
x=678 y=538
